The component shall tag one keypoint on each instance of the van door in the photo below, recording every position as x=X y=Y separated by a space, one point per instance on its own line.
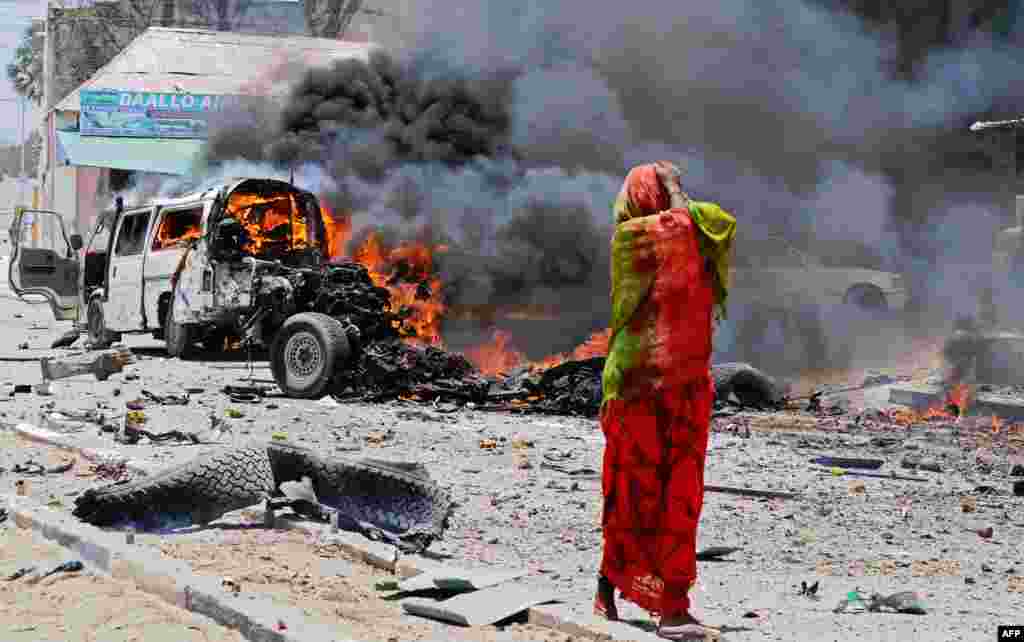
x=123 y=307
x=43 y=262
x=173 y=231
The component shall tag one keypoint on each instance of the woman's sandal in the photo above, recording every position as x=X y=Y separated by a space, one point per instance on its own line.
x=604 y=601
x=691 y=631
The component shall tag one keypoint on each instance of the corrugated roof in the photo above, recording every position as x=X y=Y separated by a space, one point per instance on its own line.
x=212 y=62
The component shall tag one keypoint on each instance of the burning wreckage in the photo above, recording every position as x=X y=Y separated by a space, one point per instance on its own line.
x=263 y=261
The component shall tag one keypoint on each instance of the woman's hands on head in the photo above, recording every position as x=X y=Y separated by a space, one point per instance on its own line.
x=671 y=179
x=670 y=176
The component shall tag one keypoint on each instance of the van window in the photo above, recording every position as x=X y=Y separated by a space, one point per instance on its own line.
x=43 y=231
x=177 y=228
x=131 y=237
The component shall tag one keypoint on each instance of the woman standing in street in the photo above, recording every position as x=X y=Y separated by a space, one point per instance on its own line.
x=670 y=278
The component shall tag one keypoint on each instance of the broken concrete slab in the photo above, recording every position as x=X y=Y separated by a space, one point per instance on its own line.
x=922 y=396
x=459 y=579
x=481 y=608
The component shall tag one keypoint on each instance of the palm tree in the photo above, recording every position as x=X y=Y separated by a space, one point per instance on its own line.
x=26 y=72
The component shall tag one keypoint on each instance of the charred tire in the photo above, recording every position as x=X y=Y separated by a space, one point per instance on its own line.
x=305 y=352
x=179 y=337
x=197 y=492
x=397 y=497
x=751 y=386
x=866 y=297
x=99 y=336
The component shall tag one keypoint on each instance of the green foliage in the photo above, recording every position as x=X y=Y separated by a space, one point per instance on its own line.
x=25 y=73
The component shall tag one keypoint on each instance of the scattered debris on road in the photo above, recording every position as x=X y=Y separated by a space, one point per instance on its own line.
x=34 y=468
x=67 y=339
x=101 y=365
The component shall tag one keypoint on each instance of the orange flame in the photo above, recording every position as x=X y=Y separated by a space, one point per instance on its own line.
x=339 y=231
x=959 y=396
x=271 y=222
x=407 y=272
x=955 y=406
x=997 y=425
x=500 y=356
x=418 y=290
x=496 y=357
x=175 y=230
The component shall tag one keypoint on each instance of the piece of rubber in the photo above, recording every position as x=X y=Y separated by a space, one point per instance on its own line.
x=399 y=498
x=751 y=386
x=196 y=492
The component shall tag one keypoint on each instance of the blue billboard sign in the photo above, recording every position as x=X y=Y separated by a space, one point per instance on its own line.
x=144 y=114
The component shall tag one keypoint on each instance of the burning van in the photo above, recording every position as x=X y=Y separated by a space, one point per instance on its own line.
x=246 y=260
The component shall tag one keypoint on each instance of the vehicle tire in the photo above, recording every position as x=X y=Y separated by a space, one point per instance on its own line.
x=179 y=337
x=99 y=337
x=305 y=352
x=866 y=297
x=196 y=492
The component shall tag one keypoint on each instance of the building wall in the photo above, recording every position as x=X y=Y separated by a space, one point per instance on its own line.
x=87 y=186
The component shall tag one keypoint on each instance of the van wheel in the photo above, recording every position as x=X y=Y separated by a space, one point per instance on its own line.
x=179 y=337
x=99 y=337
x=865 y=296
x=305 y=353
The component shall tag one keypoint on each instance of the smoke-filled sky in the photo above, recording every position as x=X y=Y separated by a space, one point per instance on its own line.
x=509 y=127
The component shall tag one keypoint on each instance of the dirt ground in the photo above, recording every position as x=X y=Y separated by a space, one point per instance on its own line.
x=537 y=506
x=307 y=572
x=85 y=607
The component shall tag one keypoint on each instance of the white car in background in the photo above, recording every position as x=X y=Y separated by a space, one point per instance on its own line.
x=772 y=270
x=787 y=308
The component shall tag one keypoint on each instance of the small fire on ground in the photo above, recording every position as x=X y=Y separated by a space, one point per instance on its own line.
x=958 y=401
x=407 y=272
x=955 y=405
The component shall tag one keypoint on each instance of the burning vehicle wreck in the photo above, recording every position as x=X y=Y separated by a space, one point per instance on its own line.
x=248 y=260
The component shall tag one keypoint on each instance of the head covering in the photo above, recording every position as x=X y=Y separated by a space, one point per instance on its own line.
x=642 y=194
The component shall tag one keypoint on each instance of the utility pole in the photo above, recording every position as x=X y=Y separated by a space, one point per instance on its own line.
x=21 y=100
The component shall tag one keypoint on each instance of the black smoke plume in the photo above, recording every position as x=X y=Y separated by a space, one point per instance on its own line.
x=505 y=129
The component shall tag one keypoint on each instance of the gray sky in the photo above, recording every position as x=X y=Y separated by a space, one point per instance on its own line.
x=15 y=16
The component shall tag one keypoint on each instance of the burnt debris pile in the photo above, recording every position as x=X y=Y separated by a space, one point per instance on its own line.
x=569 y=388
x=346 y=292
x=384 y=366
x=395 y=368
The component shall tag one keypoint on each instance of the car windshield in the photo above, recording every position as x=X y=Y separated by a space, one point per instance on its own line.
x=277 y=223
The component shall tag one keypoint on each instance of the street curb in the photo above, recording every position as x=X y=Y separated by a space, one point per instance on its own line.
x=42 y=435
x=173 y=581
x=377 y=554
